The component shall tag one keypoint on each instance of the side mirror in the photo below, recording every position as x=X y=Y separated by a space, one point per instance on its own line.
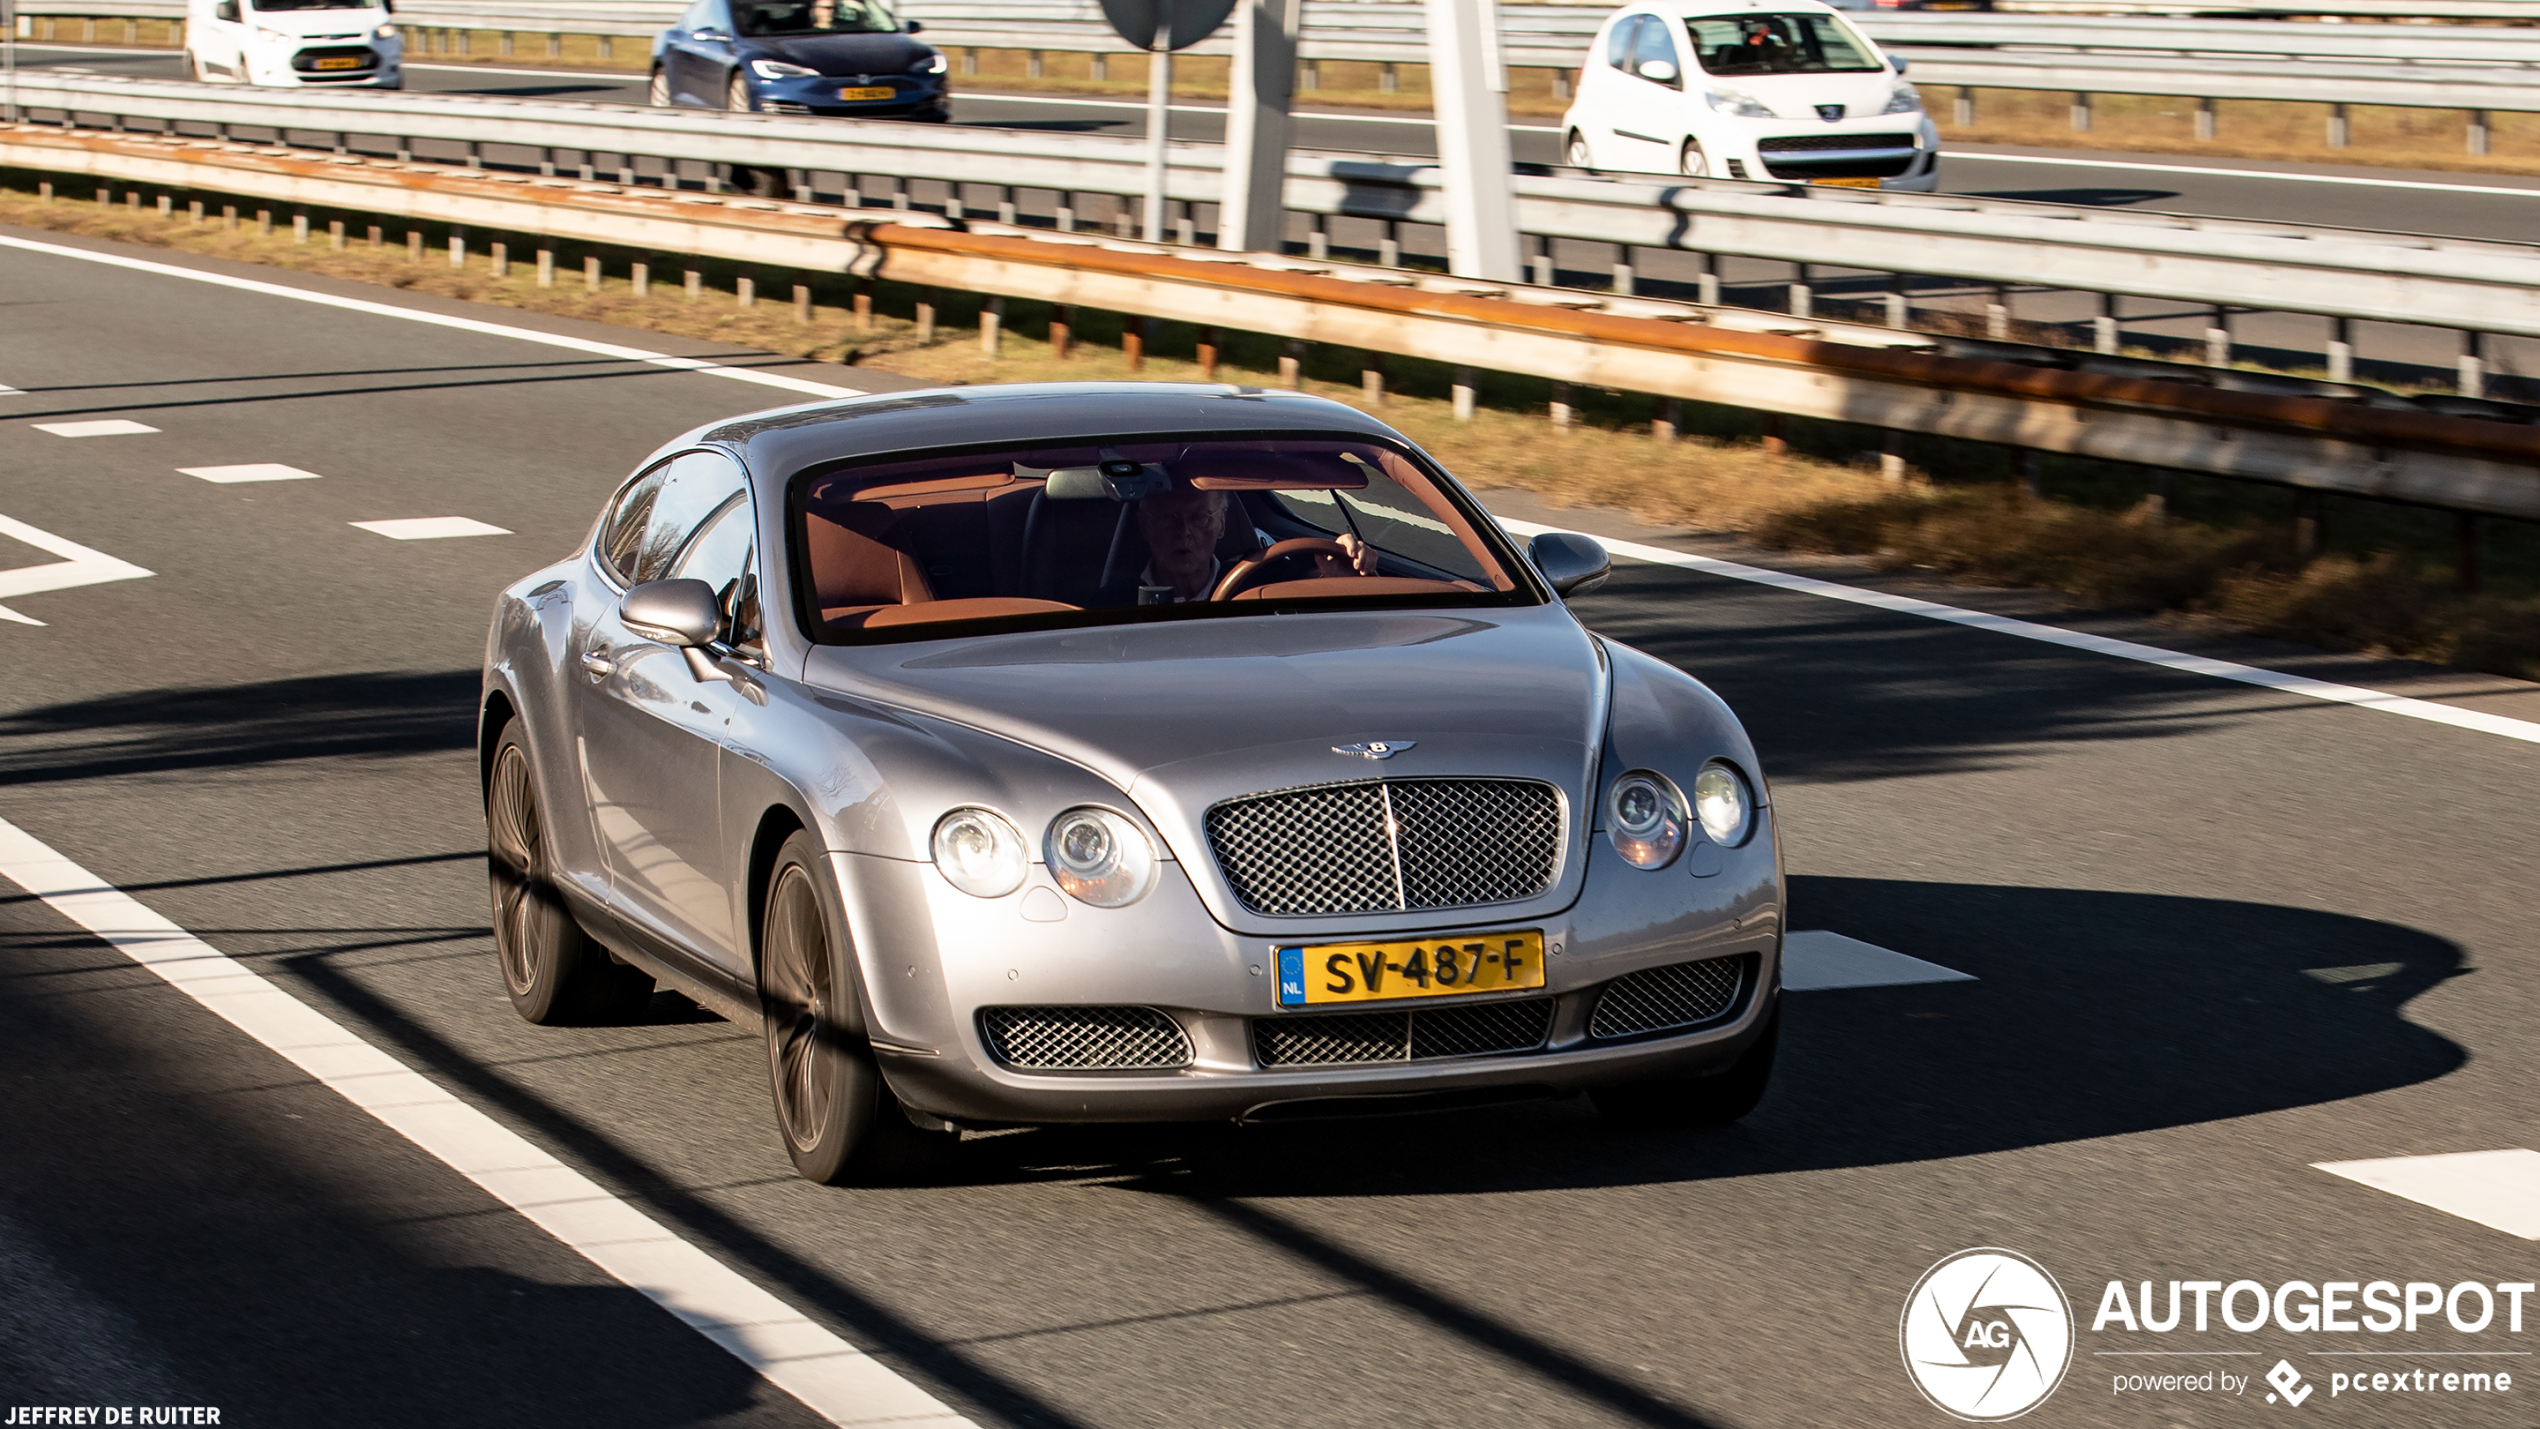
x=1571 y=563
x=917 y=27
x=226 y=10
x=1661 y=71
x=683 y=614
x=1900 y=62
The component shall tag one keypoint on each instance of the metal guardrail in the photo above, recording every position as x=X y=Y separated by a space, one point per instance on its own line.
x=2309 y=435
x=2473 y=286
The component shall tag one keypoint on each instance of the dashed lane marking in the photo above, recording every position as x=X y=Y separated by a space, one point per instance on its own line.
x=79 y=566
x=2304 y=685
x=838 y=1381
x=2500 y=1189
x=111 y=427
x=446 y=320
x=250 y=471
x=429 y=528
x=1819 y=961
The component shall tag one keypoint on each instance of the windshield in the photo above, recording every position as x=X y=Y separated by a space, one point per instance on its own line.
x=1778 y=44
x=1137 y=529
x=757 y=18
x=268 y=7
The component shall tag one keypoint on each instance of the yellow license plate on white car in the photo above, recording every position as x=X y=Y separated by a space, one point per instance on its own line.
x=1845 y=183
x=855 y=93
x=1311 y=975
x=339 y=62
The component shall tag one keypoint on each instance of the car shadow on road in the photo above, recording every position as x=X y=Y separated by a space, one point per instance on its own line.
x=228 y=726
x=2080 y=197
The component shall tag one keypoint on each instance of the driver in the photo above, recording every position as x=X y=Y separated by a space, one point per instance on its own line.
x=1182 y=528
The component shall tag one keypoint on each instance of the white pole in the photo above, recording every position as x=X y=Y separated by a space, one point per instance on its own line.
x=9 y=57
x=1159 y=111
x=1252 y=214
x=1470 y=84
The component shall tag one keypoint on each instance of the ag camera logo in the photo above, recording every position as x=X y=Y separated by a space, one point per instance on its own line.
x=1986 y=1334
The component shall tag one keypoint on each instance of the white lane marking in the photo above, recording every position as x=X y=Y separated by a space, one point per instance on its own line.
x=250 y=471
x=1819 y=961
x=385 y=310
x=2290 y=178
x=2304 y=685
x=840 y=1382
x=111 y=427
x=79 y=566
x=8 y=391
x=429 y=528
x=2500 y=1189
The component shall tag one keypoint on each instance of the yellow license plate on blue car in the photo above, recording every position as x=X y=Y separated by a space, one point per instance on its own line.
x=1311 y=975
x=855 y=93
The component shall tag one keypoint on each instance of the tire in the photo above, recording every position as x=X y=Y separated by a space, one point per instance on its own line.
x=836 y=1115
x=1575 y=150
x=1714 y=1100
x=736 y=95
x=556 y=974
x=1691 y=161
x=657 y=93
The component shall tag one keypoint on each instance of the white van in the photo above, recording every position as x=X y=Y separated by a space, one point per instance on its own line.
x=320 y=44
x=1748 y=89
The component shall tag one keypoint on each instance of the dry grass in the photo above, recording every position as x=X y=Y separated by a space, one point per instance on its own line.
x=2238 y=573
x=2243 y=129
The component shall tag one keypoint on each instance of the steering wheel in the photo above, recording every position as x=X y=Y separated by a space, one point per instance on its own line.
x=1247 y=572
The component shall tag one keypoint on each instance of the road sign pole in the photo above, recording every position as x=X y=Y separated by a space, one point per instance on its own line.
x=9 y=58
x=1159 y=118
x=1470 y=84
x=1252 y=216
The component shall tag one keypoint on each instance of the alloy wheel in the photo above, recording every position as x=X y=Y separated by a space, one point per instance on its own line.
x=799 y=998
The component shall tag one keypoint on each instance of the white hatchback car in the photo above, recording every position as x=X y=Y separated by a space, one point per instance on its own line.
x=1749 y=89
x=316 y=44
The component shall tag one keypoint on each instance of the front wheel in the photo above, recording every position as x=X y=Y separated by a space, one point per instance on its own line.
x=657 y=93
x=839 y=1120
x=1577 y=152
x=555 y=973
x=1715 y=1100
x=736 y=95
x=1692 y=162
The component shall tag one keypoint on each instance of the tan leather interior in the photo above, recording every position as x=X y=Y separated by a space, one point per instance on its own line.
x=1335 y=587
x=853 y=569
x=975 y=608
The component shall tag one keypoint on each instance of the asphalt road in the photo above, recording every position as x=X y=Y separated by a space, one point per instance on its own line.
x=2218 y=933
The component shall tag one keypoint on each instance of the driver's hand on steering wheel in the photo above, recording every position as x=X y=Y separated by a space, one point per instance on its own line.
x=1361 y=562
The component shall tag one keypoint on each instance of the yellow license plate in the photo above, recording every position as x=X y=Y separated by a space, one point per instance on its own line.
x=1845 y=183
x=1310 y=976
x=874 y=91
x=339 y=62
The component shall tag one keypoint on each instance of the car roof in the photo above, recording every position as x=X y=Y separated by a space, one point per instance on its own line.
x=786 y=440
x=1702 y=9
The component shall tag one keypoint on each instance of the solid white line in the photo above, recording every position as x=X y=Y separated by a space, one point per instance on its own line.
x=840 y=1382
x=2427 y=710
x=2291 y=178
x=79 y=566
x=2500 y=1189
x=1818 y=961
x=385 y=310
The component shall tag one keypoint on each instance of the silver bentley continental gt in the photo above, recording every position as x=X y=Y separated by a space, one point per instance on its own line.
x=1072 y=753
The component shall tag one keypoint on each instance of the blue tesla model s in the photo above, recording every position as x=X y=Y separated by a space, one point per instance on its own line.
x=834 y=57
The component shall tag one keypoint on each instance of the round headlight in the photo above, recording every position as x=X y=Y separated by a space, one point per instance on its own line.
x=1721 y=801
x=1645 y=817
x=980 y=853
x=1100 y=858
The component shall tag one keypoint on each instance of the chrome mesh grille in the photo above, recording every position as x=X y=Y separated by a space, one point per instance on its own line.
x=1679 y=995
x=1418 y=1034
x=1083 y=1039
x=1383 y=845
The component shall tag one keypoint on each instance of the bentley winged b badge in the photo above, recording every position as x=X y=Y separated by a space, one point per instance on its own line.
x=1375 y=748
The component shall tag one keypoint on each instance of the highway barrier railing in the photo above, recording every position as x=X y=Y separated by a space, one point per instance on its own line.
x=2316 y=436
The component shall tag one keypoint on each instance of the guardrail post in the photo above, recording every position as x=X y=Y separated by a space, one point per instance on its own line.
x=2337 y=126
x=1318 y=240
x=546 y=163
x=498 y=260
x=1388 y=78
x=639 y=279
x=299 y=227
x=1540 y=265
x=1997 y=315
x=861 y=305
x=1706 y=282
x=2205 y=118
x=1389 y=247
x=193 y=209
x=1292 y=364
x=1371 y=378
x=2473 y=368
x=546 y=267
x=2310 y=521
x=555 y=45
x=590 y=275
x=2478 y=133
x=991 y=326
x=1098 y=65
x=414 y=237
x=608 y=47
x=375 y=237
x=1803 y=299
x=1623 y=276
x=264 y=220
x=1032 y=64
x=1892 y=456
x=458 y=249
x=1062 y=321
x=693 y=284
x=2218 y=339
x=1133 y=342
x=1964 y=112
x=1310 y=75
x=1207 y=354
x=229 y=218
x=1900 y=312
x=2341 y=350
x=1561 y=406
x=475 y=160
x=1005 y=205
x=503 y=46
x=925 y=316
x=970 y=60
x=2081 y=113
x=2103 y=328
x=1669 y=422
x=745 y=292
x=1066 y=212
x=802 y=304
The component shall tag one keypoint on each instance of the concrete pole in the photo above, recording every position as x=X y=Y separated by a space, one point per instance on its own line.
x=1470 y=85
x=1252 y=213
x=1159 y=118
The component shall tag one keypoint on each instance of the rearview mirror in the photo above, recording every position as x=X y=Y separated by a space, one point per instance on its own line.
x=683 y=614
x=1571 y=563
x=1662 y=71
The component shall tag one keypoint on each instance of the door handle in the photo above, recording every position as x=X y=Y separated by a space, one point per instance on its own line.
x=598 y=663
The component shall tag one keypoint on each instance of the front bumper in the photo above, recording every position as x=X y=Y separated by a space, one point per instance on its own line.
x=379 y=65
x=951 y=956
x=1898 y=151
x=913 y=97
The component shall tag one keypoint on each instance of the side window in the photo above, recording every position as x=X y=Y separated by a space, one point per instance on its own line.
x=623 y=533
x=694 y=486
x=719 y=555
x=1654 y=43
x=1618 y=41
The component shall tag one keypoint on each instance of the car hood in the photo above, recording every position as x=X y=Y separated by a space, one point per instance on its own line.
x=877 y=54
x=1181 y=715
x=1795 y=96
